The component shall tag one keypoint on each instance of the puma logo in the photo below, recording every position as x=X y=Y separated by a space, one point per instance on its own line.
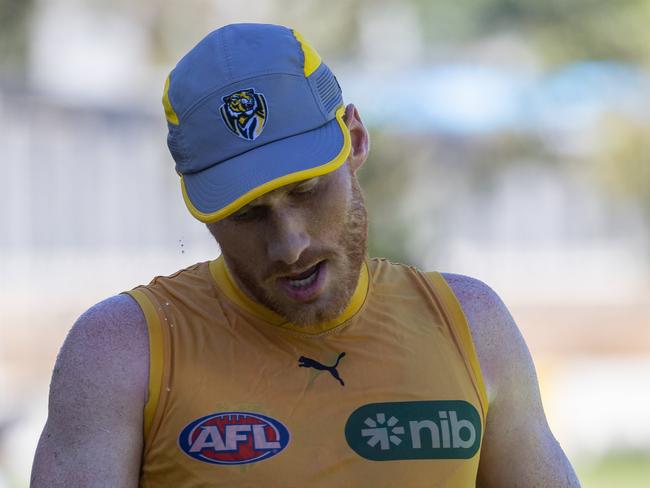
x=305 y=362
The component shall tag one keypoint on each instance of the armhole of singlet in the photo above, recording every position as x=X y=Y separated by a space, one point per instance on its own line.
x=156 y=354
x=462 y=330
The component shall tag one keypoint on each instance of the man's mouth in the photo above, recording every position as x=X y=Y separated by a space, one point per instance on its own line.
x=306 y=285
x=305 y=278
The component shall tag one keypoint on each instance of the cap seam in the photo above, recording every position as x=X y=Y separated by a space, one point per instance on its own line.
x=299 y=48
x=190 y=110
x=226 y=48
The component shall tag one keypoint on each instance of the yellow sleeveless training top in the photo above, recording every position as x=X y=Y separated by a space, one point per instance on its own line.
x=389 y=394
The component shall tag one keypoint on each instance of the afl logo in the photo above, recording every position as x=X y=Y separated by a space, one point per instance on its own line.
x=233 y=438
x=244 y=113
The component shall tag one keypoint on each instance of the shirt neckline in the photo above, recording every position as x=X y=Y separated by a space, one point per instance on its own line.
x=225 y=282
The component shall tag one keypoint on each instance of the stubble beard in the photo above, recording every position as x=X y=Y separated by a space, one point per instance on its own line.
x=351 y=254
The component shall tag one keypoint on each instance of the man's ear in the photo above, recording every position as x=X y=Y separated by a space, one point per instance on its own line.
x=359 y=138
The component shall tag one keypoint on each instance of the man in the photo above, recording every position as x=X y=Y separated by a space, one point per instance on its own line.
x=292 y=360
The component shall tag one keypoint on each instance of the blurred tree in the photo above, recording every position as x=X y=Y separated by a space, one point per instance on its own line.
x=331 y=26
x=384 y=180
x=560 y=31
x=174 y=27
x=623 y=160
x=14 y=19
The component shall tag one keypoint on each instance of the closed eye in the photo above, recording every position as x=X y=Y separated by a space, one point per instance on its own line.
x=306 y=187
x=249 y=213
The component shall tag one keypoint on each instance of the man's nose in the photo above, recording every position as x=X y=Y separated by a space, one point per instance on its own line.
x=288 y=239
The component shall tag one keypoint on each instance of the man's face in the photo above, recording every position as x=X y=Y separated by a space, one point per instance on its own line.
x=298 y=249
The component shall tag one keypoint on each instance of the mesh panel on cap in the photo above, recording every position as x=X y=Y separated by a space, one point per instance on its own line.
x=177 y=147
x=328 y=89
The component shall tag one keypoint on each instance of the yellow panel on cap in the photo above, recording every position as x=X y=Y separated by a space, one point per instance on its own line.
x=172 y=118
x=312 y=58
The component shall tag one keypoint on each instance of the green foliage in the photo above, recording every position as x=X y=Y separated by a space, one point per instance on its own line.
x=623 y=160
x=559 y=30
x=622 y=469
x=384 y=180
x=14 y=21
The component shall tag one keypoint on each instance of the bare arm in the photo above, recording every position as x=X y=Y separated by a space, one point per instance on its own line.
x=519 y=448
x=93 y=434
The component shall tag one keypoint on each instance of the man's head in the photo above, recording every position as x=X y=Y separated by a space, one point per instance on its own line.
x=298 y=249
x=267 y=155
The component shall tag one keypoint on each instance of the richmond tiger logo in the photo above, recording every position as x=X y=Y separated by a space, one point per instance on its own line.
x=245 y=113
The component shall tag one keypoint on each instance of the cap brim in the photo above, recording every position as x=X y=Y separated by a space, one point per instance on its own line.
x=222 y=189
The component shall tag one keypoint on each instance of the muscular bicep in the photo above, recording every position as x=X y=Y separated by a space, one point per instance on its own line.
x=518 y=448
x=93 y=433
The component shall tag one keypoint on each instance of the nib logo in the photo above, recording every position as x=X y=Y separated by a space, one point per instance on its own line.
x=449 y=429
x=380 y=435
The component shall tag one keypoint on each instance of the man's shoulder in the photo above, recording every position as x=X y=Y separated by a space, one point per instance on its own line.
x=481 y=304
x=113 y=328
x=497 y=339
x=116 y=316
x=108 y=347
x=121 y=308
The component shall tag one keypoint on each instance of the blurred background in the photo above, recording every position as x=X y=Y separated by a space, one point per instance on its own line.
x=510 y=142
